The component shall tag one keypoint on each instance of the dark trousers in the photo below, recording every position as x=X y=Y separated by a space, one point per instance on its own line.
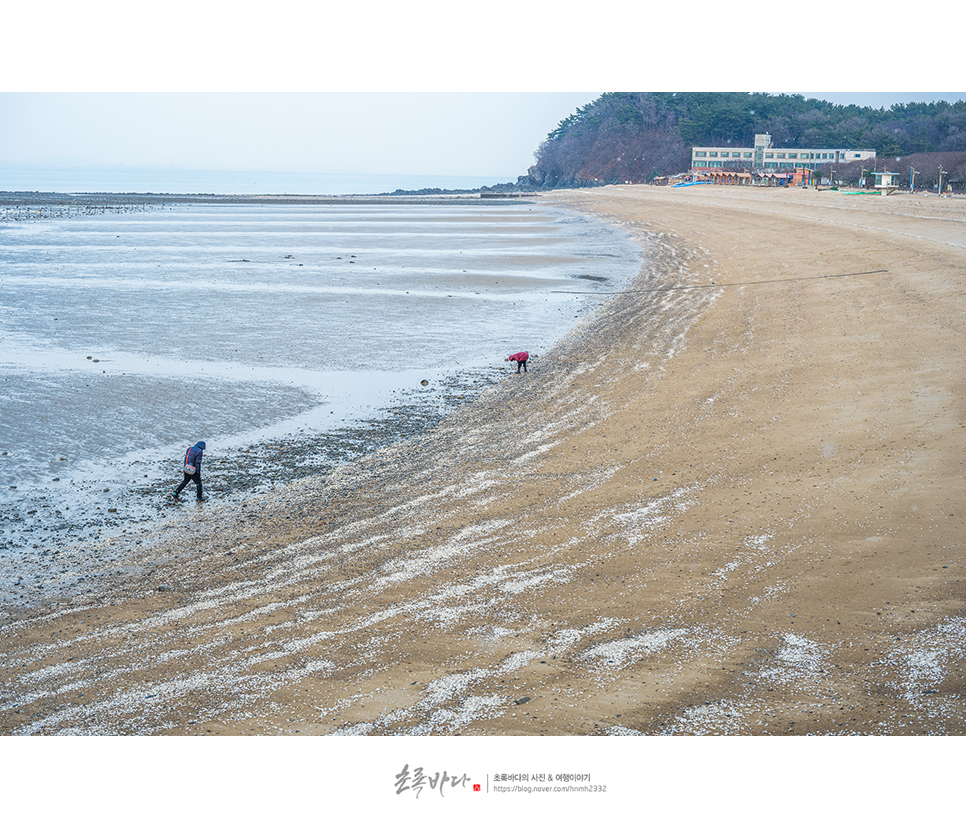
x=522 y=364
x=188 y=478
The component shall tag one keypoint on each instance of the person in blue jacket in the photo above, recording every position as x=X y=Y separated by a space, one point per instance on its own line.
x=192 y=469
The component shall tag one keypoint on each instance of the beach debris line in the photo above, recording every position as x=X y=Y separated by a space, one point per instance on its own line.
x=714 y=286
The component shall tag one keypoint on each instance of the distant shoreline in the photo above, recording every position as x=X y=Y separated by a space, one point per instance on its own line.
x=26 y=206
x=14 y=198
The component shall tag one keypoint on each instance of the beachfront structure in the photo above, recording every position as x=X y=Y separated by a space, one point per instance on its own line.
x=765 y=158
x=885 y=181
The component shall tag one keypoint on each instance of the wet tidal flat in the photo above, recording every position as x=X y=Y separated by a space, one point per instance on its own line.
x=292 y=338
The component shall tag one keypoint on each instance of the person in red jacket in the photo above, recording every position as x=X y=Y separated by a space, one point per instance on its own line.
x=521 y=360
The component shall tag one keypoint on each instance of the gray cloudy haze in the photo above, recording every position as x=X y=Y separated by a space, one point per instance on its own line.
x=474 y=134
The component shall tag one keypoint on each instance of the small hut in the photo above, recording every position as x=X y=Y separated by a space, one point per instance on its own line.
x=885 y=182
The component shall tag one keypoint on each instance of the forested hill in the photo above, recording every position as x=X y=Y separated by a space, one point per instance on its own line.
x=634 y=137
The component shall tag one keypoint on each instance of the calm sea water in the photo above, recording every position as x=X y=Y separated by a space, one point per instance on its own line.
x=126 y=337
x=147 y=179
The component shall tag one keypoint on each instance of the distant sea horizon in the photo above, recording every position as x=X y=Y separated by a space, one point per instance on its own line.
x=133 y=179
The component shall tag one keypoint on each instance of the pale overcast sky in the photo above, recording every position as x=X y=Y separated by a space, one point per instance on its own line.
x=475 y=134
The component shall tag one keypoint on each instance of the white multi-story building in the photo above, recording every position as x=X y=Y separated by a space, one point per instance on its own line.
x=764 y=157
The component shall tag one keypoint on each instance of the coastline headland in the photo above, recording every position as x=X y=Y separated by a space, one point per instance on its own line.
x=729 y=502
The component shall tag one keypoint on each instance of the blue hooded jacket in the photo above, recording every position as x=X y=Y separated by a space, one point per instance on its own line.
x=193 y=457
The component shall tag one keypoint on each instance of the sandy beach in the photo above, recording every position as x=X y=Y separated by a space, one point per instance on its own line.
x=730 y=502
